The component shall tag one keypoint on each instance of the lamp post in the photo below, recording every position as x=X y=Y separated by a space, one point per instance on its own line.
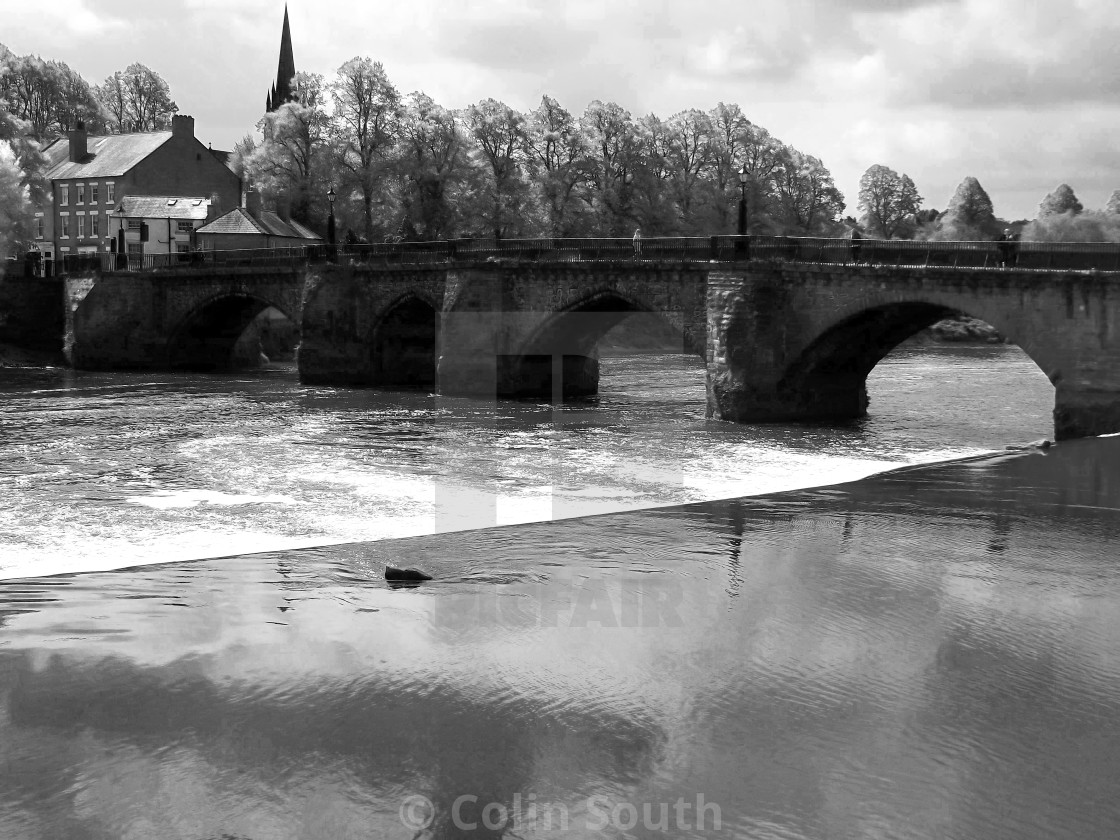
x=122 y=259
x=331 y=196
x=743 y=176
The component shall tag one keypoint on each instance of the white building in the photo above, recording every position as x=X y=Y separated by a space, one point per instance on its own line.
x=168 y=221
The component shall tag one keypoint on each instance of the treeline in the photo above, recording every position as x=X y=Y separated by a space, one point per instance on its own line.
x=890 y=208
x=52 y=98
x=405 y=167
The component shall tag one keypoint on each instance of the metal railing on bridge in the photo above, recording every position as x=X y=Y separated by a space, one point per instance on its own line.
x=1074 y=256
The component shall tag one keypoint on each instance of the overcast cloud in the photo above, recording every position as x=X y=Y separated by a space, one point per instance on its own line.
x=1022 y=95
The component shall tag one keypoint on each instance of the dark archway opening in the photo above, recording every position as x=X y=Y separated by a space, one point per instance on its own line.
x=405 y=348
x=830 y=379
x=229 y=333
x=562 y=362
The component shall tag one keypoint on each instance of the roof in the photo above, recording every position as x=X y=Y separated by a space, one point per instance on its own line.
x=164 y=207
x=239 y=221
x=109 y=156
x=278 y=227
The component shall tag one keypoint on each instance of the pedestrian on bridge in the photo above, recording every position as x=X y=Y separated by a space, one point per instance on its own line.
x=1008 y=248
x=637 y=243
x=857 y=244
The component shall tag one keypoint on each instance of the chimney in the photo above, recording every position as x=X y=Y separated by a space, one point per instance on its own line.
x=284 y=207
x=182 y=126
x=78 y=141
x=253 y=203
x=213 y=208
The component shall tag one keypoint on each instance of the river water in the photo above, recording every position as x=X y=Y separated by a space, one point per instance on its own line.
x=926 y=653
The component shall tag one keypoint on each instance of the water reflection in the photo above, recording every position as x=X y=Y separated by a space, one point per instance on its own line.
x=846 y=662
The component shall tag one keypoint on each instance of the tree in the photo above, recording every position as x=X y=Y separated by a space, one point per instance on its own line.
x=612 y=142
x=728 y=127
x=688 y=154
x=807 y=197
x=556 y=153
x=15 y=209
x=1113 y=205
x=766 y=160
x=651 y=197
x=290 y=160
x=1061 y=200
x=137 y=99
x=47 y=95
x=432 y=164
x=500 y=133
x=969 y=216
x=1090 y=226
x=887 y=201
x=22 y=186
x=364 y=128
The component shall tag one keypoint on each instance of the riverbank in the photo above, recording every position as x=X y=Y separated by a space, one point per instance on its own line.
x=929 y=651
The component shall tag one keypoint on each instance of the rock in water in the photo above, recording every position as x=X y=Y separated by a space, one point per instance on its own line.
x=392 y=573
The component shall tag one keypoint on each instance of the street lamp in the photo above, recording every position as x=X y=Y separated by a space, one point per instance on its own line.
x=331 y=196
x=743 y=200
x=122 y=260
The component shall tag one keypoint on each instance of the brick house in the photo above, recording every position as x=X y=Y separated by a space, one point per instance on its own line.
x=90 y=176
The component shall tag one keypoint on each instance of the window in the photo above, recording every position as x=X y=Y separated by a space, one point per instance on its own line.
x=93 y=191
x=81 y=194
x=81 y=227
x=63 y=195
x=185 y=226
x=65 y=227
x=95 y=224
x=110 y=191
x=182 y=247
x=135 y=248
x=38 y=227
x=134 y=224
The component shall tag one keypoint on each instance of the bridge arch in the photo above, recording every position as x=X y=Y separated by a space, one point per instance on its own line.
x=204 y=339
x=404 y=348
x=566 y=344
x=826 y=377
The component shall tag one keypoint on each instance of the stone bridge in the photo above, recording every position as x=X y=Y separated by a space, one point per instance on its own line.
x=797 y=341
x=782 y=340
x=492 y=330
x=173 y=319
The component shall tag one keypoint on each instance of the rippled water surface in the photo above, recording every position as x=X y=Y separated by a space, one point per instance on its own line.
x=928 y=653
x=102 y=471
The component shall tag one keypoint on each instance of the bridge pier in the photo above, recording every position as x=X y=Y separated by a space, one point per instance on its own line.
x=1085 y=413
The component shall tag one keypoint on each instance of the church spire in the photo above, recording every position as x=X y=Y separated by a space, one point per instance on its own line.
x=286 y=69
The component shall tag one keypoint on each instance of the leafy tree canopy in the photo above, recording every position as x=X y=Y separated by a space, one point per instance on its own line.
x=1061 y=200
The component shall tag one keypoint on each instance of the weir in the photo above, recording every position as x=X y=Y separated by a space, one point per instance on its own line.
x=784 y=337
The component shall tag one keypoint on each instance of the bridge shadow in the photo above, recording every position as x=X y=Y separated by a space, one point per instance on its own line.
x=405 y=347
x=559 y=361
x=215 y=336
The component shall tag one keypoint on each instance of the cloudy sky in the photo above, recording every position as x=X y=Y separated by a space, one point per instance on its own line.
x=1023 y=95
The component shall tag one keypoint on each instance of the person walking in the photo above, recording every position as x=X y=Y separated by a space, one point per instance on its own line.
x=1006 y=243
x=857 y=244
x=637 y=243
